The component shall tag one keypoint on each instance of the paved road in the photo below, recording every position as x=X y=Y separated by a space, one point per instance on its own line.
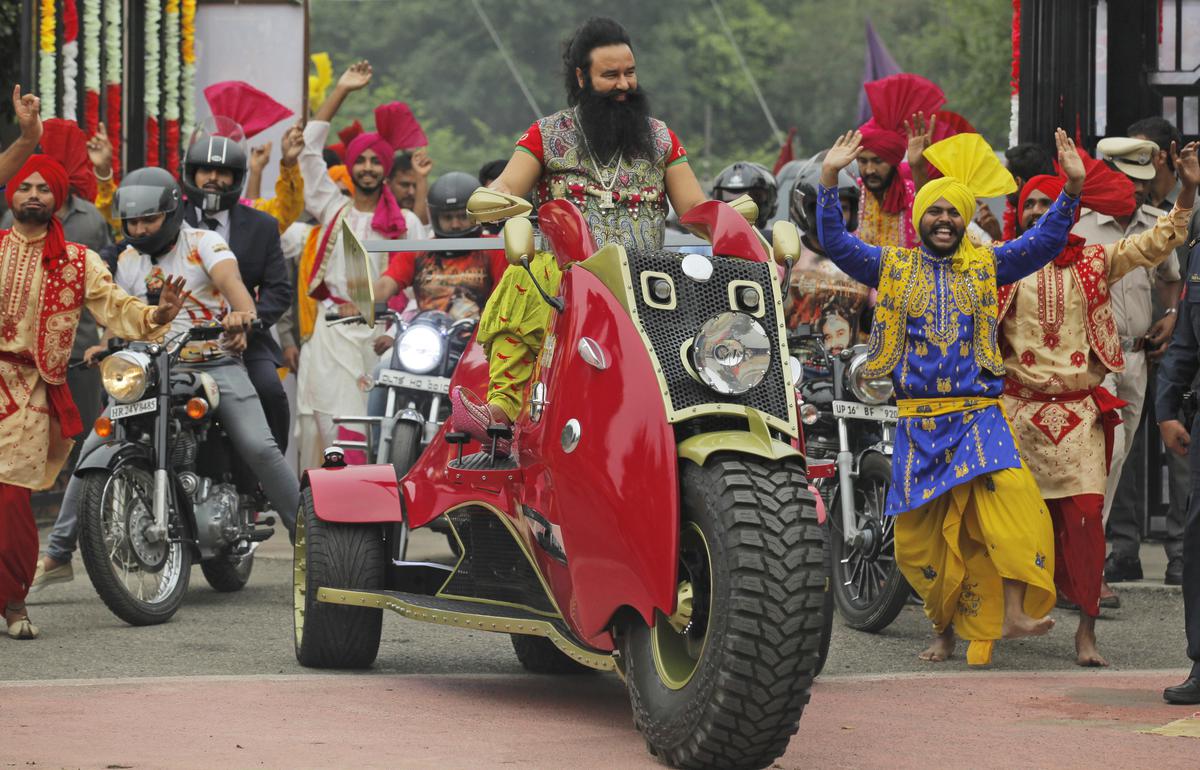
x=222 y=676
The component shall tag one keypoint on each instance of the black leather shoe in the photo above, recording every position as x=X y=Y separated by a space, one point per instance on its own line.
x=1174 y=576
x=1120 y=568
x=1186 y=694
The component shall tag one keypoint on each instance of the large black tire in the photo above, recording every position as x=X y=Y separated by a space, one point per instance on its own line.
x=330 y=555
x=228 y=576
x=405 y=447
x=115 y=592
x=750 y=647
x=877 y=590
x=538 y=655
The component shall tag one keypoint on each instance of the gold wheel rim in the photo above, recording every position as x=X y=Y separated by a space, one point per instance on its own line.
x=679 y=641
x=299 y=578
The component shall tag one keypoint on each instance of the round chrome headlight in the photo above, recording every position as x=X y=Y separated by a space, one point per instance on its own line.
x=731 y=353
x=419 y=348
x=869 y=390
x=125 y=375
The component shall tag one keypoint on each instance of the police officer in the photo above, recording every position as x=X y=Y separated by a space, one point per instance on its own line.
x=1178 y=386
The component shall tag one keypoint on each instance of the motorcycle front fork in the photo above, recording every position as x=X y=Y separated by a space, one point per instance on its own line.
x=847 y=474
x=430 y=427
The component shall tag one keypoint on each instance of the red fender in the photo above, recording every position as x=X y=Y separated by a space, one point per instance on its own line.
x=355 y=494
x=566 y=230
x=728 y=231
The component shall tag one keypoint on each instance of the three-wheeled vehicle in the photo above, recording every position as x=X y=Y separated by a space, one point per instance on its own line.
x=653 y=516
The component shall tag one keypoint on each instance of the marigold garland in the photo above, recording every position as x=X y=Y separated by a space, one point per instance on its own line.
x=171 y=85
x=91 y=65
x=112 y=79
x=47 y=72
x=152 y=95
x=70 y=59
x=187 y=49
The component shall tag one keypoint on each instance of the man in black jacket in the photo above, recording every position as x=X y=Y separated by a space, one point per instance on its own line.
x=214 y=173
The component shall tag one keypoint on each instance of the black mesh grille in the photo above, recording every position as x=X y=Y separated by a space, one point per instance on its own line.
x=696 y=303
x=493 y=565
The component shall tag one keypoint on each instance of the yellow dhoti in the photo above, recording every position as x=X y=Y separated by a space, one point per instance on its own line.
x=957 y=549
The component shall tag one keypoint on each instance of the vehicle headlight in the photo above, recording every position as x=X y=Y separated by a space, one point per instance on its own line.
x=419 y=349
x=731 y=353
x=125 y=375
x=869 y=390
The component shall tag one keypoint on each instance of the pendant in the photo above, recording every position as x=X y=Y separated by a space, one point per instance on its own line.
x=607 y=202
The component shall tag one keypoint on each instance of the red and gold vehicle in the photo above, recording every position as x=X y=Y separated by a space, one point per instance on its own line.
x=653 y=518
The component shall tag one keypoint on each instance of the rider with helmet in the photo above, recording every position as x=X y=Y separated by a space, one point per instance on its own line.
x=214 y=173
x=822 y=296
x=746 y=178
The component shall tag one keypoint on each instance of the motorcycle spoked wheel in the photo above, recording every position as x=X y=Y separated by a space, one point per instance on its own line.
x=228 y=574
x=332 y=555
x=143 y=584
x=723 y=682
x=868 y=587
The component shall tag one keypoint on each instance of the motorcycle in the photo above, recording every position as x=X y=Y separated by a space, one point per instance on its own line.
x=165 y=489
x=653 y=519
x=849 y=434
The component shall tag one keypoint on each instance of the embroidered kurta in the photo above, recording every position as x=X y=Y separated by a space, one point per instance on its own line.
x=32 y=450
x=1047 y=350
x=881 y=228
x=937 y=355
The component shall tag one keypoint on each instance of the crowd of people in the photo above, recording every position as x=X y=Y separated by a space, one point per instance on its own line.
x=1023 y=347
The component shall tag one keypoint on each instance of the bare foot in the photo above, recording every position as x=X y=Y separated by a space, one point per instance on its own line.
x=1087 y=654
x=1019 y=625
x=941 y=649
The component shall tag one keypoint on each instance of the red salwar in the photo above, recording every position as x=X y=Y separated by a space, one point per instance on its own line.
x=1079 y=549
x=18 y=544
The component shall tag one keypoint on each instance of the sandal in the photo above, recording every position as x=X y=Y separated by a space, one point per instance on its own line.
x=21 y=628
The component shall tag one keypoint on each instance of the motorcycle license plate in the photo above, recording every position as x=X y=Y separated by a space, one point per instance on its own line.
x=117 y=411
x=853 y=410
x=397 y=379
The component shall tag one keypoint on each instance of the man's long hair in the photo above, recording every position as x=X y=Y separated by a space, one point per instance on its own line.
x=594 y=33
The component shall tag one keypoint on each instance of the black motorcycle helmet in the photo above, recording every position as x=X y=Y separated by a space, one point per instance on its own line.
x=802 y=200
x=450 y=193
x=216 y=143
x=146 y=192
x=753 y=179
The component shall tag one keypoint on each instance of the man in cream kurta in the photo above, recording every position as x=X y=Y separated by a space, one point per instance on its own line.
x=44 y=282
x=1060 y=342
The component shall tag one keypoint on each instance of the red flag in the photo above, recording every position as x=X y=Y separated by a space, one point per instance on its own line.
x=787 y=153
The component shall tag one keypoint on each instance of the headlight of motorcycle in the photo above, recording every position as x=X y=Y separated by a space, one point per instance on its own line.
x=731 y=353
x=125 y=375
x=419 y=349
x=869 y=390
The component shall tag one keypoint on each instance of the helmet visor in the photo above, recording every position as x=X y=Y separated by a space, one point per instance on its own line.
x=133 y=201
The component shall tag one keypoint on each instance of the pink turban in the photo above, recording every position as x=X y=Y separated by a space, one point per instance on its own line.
x=389 y=217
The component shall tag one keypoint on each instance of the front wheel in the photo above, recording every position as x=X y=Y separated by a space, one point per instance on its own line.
x=723 y=681
x=331 y=555
x=141 y=581
x=868 y=586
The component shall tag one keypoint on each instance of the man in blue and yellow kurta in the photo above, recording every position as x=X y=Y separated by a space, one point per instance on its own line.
x=973 y=535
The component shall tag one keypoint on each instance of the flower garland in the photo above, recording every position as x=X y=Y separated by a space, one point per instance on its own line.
x=112 y=79
x=171 y=89
x=188 y=51
x=1015 y=79
x=152 y=92
x=47 y=72
x=91 y=65
x=70 y=59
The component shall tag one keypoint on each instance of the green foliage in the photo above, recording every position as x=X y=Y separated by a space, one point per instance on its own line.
x=807 y=56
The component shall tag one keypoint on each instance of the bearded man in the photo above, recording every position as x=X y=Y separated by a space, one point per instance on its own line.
x=1060 y=341
x=973 y=536
x=336 y=358
x=604 y=153
x=45 y=282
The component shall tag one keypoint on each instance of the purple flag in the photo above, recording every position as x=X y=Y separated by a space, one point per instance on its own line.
x=879 y=64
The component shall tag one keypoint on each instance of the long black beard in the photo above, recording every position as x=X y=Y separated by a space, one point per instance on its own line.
x=613 y=127
x=29 y=217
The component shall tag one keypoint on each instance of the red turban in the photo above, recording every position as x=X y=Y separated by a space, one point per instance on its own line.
x=64 y=141
x=396 y=123
x=389 y=218
x=1104 y=191
x=894 y=100
x=55 y=176
x=244 y=104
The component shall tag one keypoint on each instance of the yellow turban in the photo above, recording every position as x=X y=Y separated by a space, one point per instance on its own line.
x=970 y=171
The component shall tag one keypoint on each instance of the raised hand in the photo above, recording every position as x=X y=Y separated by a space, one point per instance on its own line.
x=844 y=151
x=1187 y=164
x=291 y=145
x=357 y=76
x=920 y=136
x=28 y=109
x=100 y=153
x=1071 y=163
x=259 y=156
x=170 y=300
x=421 y=162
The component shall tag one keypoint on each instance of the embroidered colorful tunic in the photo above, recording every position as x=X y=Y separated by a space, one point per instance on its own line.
x=882 y=228
x=934 y=334
x=624 y=200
